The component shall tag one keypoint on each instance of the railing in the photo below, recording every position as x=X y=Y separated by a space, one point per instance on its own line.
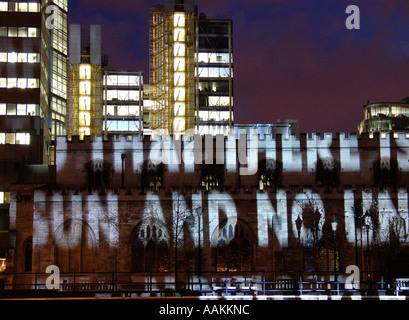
x=209 y=283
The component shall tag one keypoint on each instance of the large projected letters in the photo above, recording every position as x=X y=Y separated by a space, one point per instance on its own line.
x=219 y=201
x=268 y=218
x=292 y=159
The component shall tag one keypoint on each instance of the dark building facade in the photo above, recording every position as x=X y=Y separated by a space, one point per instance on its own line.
x=197 y=206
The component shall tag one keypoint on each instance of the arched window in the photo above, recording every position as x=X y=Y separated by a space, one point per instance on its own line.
x=268 y=174
x=233 y=246
x=152 y=175
x=150 y=247
x=74 y=244
x=98 y=174
x=327 y=174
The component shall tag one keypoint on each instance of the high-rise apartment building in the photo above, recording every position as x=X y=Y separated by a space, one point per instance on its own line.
x=191 y=70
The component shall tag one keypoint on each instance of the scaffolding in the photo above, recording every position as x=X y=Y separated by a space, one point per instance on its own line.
x=85 y=105
x=172 y=65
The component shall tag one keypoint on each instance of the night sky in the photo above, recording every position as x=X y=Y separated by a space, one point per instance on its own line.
x=293 y=59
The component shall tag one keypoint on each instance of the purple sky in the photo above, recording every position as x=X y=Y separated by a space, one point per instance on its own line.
x=294 y=59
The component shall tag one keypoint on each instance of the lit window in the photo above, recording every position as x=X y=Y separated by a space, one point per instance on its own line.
x=23 y=138
x=22 y=7
x=85 y=72
x=33 y=7
x=22 y=32
x=11 y=83
x=3 y=82
x=2 y=139
x=22 y=57
x=12 y=57
x=33 y=32
x=33 y=57
x=3 y=56
x=22 y=83
x=3 y=6
x=31 y=109
x=2 y=109
x=33 y=83
x=21 y=109
x=85 y=87
x=10 y=138
x=2 y=265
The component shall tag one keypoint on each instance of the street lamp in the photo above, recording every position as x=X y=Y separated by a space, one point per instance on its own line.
x=334 y=226
x=199 y=212
x=298 y=223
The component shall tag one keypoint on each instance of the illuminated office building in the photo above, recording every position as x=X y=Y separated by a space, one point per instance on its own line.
x=33 y=58
x=58 y=53
x=191 y=71
x=123 y=102
x=214 y=76
x=385 y=117
x=85 y=83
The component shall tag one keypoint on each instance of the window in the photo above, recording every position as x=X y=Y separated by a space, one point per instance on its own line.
x=234 y=250
x=15 y=138
x=12 y=32
x=2 y=110
x=22 y=57
x=11 y=83
x=3 y=31
x=3 y=82
x=4 y=197
x=150 y=249
x=3 y=6
x=33 y=32
x=22 y=83
x=33 y=7
x=12 y=57
x=22 y=7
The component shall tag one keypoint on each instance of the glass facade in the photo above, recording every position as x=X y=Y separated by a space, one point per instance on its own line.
x=123 y=106
x=214 y=76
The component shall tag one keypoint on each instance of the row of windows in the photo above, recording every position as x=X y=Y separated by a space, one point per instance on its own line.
x=215 y=101
x=122 y=80
x=122 y=125
x=22 y=32
x=214 y=72
x=20 y=6
x=214 y=115
x=19 y=57
x=123 y=95
x=59 y=34
x=15 y=138
x=214 y=86
x=208 y=57
x=58 y=105
x=13 y=109
x=122 y=110
x=21 y=83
